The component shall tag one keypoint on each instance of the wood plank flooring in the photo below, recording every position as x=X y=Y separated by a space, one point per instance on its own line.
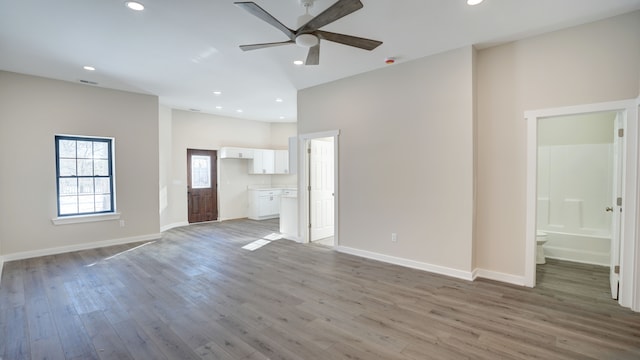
x=195 y=294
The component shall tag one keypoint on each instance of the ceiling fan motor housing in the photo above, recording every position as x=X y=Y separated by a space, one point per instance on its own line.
x=307 y=3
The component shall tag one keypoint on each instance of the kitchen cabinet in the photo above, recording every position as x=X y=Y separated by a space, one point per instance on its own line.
x=281 y=162
x=289 y=214
x=264 y=203
x=236 y=153
x=263 y=162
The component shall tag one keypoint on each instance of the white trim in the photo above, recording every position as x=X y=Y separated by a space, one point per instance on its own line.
x=174 y=225
x=76 y=219
x=86 y=246
x=319 y=135
x=629 y=288
x=635 y=287
x=437 y=269
x=1 y=266
x=498 y=276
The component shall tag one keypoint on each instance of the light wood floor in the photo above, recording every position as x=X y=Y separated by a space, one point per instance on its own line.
x=195 y=294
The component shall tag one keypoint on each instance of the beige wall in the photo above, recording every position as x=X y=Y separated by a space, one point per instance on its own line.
x=210 y=132
x=405 y=157
x=592 y=63
x=166 y=166
x=32 y=111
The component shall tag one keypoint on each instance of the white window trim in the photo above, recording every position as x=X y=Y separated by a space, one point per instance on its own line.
x=76 y=219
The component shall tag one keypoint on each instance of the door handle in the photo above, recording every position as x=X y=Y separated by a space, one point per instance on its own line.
x=609 y=209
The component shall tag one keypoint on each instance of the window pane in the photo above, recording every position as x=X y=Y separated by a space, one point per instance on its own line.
x=68 y=205
x=85 y=186
x=67 y=167
x=100 y=150
x=85 y=167
x=84 y=175
x=101 y=167
x=68 y=186
x=86 y=204
x=103 y=202
x=85 y=149
x=102 y=186
x=200 y=172
x=67 y=148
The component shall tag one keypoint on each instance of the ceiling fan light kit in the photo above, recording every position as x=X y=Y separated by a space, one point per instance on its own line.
x=308 y=34
x=307 y=40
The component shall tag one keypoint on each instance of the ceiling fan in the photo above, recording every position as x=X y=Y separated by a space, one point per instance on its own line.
x=308 y=34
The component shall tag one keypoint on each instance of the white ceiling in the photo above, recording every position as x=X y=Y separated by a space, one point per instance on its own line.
x=184 y=50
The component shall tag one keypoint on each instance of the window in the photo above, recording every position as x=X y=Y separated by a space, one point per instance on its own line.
x=84 y=171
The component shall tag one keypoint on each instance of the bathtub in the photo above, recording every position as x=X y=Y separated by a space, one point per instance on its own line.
x=588 y=247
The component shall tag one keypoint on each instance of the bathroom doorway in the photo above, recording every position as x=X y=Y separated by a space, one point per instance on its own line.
x=579 y=170
x=622 y=257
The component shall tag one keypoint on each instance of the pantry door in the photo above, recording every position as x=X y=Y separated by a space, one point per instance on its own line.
x=202 y=187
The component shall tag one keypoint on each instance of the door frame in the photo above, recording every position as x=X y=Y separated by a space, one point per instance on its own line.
x=214 y=181
x=629 y=240
x=303 y=182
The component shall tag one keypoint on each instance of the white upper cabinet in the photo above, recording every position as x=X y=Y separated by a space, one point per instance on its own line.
x=263 y=162
x=236 y=153
x=282 y=162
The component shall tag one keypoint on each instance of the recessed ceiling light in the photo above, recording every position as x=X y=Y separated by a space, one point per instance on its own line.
x=281 y=117
x=279 y=100
x=219 y=107
x=239 y=110
x=134 y=5
x=217 y=92
x=474 y=2
x=298 y=62
x=89 y=68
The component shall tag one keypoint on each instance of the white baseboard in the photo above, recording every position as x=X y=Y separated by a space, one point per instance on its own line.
x=174 y=225
x=70 y=248
x=498 y=276
x=437 y=269
x=292 y=237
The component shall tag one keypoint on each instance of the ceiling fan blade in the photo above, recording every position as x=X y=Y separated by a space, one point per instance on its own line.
x=313 y=57
x=333 y=13
x=265 y=45
x=362 y=43
x=261 y=13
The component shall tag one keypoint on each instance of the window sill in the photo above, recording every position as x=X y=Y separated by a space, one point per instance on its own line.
x=64 y=220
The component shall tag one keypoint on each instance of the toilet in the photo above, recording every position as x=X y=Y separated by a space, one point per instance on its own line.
x=541 y=239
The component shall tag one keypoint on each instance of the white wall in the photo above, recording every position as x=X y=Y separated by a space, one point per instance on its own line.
x=210 y=132
x=591 y=63
x=405 y=158
x=32 y=111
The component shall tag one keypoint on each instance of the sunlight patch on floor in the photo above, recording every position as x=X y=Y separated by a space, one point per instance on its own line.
x=262 y=242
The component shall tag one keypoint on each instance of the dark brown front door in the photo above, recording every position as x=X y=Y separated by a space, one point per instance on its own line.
x=202 y=188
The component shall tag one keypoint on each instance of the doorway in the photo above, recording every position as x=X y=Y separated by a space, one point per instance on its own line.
x=579 y=172
x=321 y=190
x=624 y=206
x=202 y=187
x=318 y=210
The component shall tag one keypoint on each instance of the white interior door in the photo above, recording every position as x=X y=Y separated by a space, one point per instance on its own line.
x=616 y=207
x=321 y=188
